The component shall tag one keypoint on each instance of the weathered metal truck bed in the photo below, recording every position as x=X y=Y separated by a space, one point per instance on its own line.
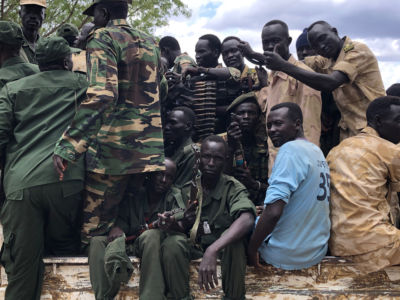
x=68 y=278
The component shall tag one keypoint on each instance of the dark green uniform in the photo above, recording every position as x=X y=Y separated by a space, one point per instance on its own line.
x=184 y=158
x=220 y=208
x=15 y=68
x=119 y=126
x=41 y=214
x=27 y=52
x=147 y=246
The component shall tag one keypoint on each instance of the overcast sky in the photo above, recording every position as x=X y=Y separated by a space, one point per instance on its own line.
x=374 y=22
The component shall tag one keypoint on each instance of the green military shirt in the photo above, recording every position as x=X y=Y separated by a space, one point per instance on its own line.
x=15 y=68
x=184 y=158
x=134 y=208
x=119 y=125
x=222 y=206
x=182 y=62
x=34 y=111
x=27 y=52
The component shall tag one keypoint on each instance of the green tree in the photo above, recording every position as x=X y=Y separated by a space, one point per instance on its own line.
x=143 y=14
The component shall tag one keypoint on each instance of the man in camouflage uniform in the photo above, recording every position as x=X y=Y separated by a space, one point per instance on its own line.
x=69 y=32
x=119 y=126
x=32 y=14
x=177 y=61
x=41 y=215
x=224 y=217
x=365 y=175
x=12 y=66
x=137 y=210
x=246 y=142
x=178 y=131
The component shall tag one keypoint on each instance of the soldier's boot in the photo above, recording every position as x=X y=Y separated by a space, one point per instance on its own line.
x=175 y=258
x=233 y=267
x=148 y=248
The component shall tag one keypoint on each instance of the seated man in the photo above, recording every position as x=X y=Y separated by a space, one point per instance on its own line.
x=248 y=147
x=365 y=171
x=135 y=212
x=178 y=142
x=293 y=230
x=41 y=214
x=224 y=218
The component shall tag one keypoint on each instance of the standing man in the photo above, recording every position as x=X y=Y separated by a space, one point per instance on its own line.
x=32 y=14
x=69 y=32
x=41 y=215
x=283 y=88
x=347 y=68
x=119 y=126
x=171 y=50
x=293 y=230
x=224 y=218
x=303 y=47
x=12 y=66
x=178 y=131
x=365 y=173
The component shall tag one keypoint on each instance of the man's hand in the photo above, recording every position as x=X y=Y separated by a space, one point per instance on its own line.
x=262 y=75
x=115 y=232
x=253 y=259
x=245 y=48
x=173 y=78
x=60 y=165
x=208 y=270
x=190 y=71
x=259 y=210
x=234 y=134
x=273 y=60
x=165 y=220
x=244 y=176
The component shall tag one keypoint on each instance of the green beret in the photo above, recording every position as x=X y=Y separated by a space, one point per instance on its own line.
x=10 y=34
x=90 y=10
x=52 y=49
x=242 y=98
x=67 y=29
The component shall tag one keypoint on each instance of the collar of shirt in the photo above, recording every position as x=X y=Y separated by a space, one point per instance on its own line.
x=370 y=131
x=216 y=193
x=26 y=43
x=13 y=61
x=117 y=22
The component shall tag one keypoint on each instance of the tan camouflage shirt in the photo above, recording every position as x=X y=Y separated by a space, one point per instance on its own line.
x=365 y=169
x=284 y=88
x=358 y=62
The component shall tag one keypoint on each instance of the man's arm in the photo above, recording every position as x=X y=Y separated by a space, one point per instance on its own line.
x=317 y=81
x=102 y=93
x=265 y=226
x=208 y=266
x=6 y=121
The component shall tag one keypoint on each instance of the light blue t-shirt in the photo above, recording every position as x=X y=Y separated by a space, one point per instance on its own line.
x=300 y=177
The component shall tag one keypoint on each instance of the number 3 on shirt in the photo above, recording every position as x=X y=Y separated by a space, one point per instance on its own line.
x=324 y=186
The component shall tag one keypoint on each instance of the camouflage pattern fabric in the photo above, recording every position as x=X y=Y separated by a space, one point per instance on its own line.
x=182 y=62
x=365 y=170
x=119 y=126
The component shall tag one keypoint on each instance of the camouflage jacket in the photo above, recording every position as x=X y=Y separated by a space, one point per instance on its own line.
x=182 y=62
x=119 y=125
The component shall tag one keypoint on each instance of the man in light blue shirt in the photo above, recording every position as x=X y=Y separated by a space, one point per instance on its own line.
x=293 y=231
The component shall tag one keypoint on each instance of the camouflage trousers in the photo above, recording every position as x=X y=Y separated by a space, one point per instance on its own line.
x=103 y=193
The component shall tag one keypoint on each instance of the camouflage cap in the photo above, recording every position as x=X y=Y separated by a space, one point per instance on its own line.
x=242 y=98
x=10 y=33
x=67 y=29
x=52 y=48
x=41 y=3
x=90 y=10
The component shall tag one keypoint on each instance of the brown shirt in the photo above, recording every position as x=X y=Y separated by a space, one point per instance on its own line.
x=284 y=88
x=365 y=170
x=365 y=84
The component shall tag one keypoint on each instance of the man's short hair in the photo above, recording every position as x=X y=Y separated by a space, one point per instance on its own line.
x=169 y=42
x=189 y=114
x=318 y=23
x=381 y=106
x=215 y=139
x=294 y=111
x=117 y=9
x=278 y=22
x=229 y=38
x=213 y=40
x=394 y=90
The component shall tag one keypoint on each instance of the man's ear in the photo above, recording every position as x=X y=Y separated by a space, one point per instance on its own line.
x=216 y=53
x=289 y=40
x=377 y=120
x=335 y=31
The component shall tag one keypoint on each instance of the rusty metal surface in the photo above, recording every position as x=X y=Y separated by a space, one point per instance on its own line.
x=334 y=278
